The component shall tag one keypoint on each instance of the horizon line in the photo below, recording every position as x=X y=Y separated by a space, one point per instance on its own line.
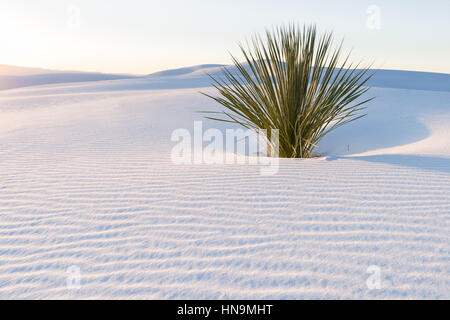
x=161 y=70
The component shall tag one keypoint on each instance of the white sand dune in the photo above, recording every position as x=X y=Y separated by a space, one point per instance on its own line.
x=12 y=77
x=86 y=180
x=9 y=70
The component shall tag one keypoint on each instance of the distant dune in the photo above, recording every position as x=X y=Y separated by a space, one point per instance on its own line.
x=11 y=82
x=7 y=70
x=383 y=78
x=188 y=70
x=16 y=77
x=196 y=77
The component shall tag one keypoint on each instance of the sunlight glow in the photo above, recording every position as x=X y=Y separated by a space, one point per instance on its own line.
x=141 y=37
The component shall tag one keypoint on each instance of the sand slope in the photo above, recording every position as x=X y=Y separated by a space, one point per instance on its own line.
x=12 y=77
x=86 y=180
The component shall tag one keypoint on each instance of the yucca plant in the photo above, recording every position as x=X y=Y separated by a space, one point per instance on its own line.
x=295 y=81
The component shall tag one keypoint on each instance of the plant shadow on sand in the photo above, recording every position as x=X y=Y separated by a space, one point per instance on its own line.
x=440 y=164
x=377 y=130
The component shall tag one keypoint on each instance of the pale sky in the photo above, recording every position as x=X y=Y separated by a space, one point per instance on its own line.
x=145 y=36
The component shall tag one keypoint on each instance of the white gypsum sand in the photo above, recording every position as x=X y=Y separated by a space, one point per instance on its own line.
x=86 y=180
